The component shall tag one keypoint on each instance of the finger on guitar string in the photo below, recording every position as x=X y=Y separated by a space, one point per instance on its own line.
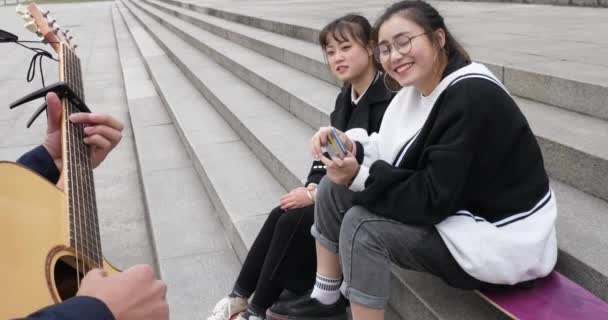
x=99 y=141
x=96 y=119
x=113 y=135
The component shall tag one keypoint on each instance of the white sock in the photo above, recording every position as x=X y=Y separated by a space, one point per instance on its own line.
x=326 y=290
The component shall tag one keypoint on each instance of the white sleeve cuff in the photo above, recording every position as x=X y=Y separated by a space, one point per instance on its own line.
x=359 y=182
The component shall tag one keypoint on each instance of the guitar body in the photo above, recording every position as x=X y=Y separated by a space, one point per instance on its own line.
x=37 y=262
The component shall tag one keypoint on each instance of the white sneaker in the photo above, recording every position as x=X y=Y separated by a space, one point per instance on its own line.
x=228 y=308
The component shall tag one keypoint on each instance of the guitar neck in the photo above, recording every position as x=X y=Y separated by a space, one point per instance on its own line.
x=78 y=171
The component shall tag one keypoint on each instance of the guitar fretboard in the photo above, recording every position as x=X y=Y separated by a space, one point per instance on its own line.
x=84 y=226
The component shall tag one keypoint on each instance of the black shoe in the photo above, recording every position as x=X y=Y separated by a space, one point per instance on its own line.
x=288 y=295
x=307 y=308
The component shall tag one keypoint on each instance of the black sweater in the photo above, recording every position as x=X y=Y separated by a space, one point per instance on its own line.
x=475 y=152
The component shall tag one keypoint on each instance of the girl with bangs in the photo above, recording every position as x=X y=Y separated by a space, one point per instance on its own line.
x=282 y=257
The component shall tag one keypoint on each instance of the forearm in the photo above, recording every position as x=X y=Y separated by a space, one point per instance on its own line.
x=77 y=308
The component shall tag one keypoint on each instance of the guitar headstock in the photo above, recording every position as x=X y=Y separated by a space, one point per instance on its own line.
x=40 y=22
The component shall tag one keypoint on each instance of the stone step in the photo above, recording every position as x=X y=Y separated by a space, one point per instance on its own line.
x=573 y=84
x=299 y=54
x=560 y=131
x=267 y=112
x=288 y=87
x=278 y=138
x=193 y=254
x=240 y=186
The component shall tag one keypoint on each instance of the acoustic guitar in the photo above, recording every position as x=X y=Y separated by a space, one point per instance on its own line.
x=49 y=238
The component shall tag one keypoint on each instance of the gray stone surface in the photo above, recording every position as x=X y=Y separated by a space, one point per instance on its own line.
x=238 y=183
x=195 y=259
x=161 y=149
x=536 y=36
x=574 y=146
x=581 y=233
x=299 y=54
x=148 y=111
x=201 y=281
x=183 y=219
x=431 y=288
x=287 y=180
x=125 y=237
x=274 y=79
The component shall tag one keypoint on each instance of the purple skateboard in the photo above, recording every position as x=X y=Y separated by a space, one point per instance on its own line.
x=552 y=298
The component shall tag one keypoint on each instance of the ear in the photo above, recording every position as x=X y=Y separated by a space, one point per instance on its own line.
x=440 y=33
x=370 y=48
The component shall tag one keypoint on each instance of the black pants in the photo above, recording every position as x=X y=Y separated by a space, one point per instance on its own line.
x=282 y=257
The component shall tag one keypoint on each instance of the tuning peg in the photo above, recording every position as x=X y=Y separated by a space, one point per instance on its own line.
x=70 y=38
x=75 y=46
x=56 y=31
x=22 y=10
x=27 y=18
x=52 y=22
x=66 y=31
x=31 y=26
x=46 y=13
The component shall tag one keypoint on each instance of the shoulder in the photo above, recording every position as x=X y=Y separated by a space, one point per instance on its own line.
x=477 y=93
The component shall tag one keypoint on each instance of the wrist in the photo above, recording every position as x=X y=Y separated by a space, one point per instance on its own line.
x=310 y=195
x=352 y=179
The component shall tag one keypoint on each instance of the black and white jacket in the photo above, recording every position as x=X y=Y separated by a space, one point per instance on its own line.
x=465 y=160
x=365 y=114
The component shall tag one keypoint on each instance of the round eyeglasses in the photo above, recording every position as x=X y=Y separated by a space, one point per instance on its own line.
x=402 y=43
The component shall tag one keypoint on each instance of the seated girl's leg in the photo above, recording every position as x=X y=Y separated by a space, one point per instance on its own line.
x=252 y=266
x=368 y=245
x=289 y=261
x=332 y=202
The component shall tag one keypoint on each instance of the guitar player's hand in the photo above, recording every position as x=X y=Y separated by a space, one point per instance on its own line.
x=134 y=294
x=102 y=133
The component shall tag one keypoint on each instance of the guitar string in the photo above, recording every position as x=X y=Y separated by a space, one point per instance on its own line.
x=78 y=172
x=86 y=171
x=68 y=169
x=90 y=183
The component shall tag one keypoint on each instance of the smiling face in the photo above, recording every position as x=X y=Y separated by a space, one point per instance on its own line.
x=347 y=59
x=418 y=67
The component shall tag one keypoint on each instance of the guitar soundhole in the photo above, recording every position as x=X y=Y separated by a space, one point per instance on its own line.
x=65 y=277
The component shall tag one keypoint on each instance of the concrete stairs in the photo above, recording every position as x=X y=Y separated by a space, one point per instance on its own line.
x=193 y=254
x=241 y=97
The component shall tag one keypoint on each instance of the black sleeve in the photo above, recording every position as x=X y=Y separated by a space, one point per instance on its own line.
x=317 y=171
x=432 y=192
x=77 y=308
x=40 y=161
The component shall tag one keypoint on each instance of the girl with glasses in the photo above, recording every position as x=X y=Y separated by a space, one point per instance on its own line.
x=283 y=254
x=453 y=184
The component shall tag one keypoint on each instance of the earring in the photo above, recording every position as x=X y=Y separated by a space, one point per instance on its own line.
x=387 y=86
